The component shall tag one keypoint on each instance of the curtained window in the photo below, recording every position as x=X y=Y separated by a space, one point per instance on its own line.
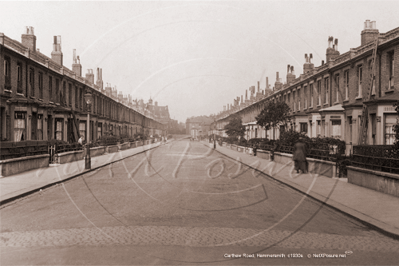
x=82 y=130
x=58 y=128
x=390 y=121
x=336 y=128
x=99 y=130
x=20 y=126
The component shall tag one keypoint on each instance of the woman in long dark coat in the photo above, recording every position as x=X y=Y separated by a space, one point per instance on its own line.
x=299 y=156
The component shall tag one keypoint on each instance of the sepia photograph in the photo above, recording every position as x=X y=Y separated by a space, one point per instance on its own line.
x=199 y=132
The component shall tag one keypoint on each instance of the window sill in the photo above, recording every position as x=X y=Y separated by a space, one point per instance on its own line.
x=310 y=107
x=358 y=98
x=389 y=91
x=335 y=103
x=20 y=94
x=346 y=101
x=325 y=104
x=8 y=91
x=318 y=105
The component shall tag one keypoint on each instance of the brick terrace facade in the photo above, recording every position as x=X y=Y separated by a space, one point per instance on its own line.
x=38 y=96
x=327 y=100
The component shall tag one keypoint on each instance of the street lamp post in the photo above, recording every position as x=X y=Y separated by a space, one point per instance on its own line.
x=88 y=100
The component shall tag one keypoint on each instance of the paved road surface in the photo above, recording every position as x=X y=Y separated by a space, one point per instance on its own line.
x=183 y=203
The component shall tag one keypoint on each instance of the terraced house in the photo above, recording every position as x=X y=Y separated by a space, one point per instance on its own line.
x=41 y=99
x=329 y=100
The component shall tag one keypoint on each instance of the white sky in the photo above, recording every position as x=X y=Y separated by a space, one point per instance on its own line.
x=194 y=57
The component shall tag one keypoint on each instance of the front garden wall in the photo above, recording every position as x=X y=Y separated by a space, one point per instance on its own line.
x=380 y=181
x=18 y=165
x=320 y=167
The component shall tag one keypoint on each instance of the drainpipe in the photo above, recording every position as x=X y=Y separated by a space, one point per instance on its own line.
x=379 y=73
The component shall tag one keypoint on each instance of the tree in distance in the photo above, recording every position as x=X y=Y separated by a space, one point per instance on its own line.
x=235 y=129
x=274 y=115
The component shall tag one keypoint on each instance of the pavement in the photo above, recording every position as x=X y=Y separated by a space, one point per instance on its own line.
x=378 y=210
x=23 y=184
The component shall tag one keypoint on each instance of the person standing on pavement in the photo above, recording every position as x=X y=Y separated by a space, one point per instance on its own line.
x=80 y=141
x=299 y=155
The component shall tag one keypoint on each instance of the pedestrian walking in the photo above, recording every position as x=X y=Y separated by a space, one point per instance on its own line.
x=299 y=156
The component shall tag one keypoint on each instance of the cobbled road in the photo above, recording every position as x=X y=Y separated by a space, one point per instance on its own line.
x=183 y=203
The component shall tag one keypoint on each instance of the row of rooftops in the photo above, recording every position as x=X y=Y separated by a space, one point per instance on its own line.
x=333 y=58
x=27 y=48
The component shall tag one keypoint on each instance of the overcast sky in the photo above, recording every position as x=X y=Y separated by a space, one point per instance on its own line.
x=194 y=57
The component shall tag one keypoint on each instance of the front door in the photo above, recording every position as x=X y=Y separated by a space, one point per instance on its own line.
x=50 y=134
x=34 y=127
x=71 y=137
x=373 y=128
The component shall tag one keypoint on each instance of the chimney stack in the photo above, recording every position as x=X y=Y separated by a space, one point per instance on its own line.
x=252 y=90
x=308 y=66
x=120 y=96
x=332 y=50
x=290 y=75
x=90 y=76
x=76 y=66
x=29 y=39
x=369 y=33
x=99 y=81
x=267 y=83
x=278 y=85
x=258 y=86
x=56 y=54
x=108 y=90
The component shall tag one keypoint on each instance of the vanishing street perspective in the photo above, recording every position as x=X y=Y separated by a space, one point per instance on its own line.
x=204 y=154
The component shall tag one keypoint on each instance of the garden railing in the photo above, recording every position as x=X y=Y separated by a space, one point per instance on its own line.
x=384 y=158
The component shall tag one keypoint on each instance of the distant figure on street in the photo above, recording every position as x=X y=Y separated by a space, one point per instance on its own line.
x=299 y=156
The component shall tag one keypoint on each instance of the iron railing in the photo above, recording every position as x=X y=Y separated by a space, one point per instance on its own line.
x=389 y=165
x=383 y=151
x=60 y=148
x=384 y=158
